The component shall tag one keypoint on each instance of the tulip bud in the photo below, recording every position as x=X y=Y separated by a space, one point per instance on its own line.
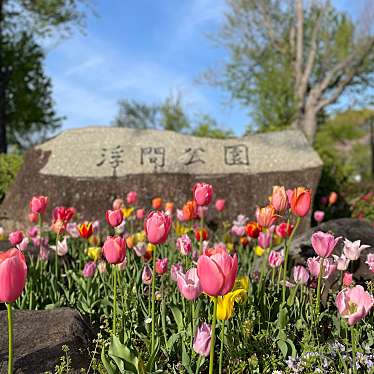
x=220 y=205
x=114 y=217
x=38 y=204
x=118 y=204
x=300 y=274
x=157 y=227
x=319 y=215
x=300 y=201
x=279 y=199
x=199 y=232
x=203 y=193
x=15 y=237
x=347 y=279
x=89 y=269
x=266 y=216
x=140 y=214
x=157 y=203
x=175 y=270
x=275 y=259
x=114 y=249
x=162 y=266
x=131 y=197
x=253 y=229
x=202 y=340
x=147 y=275
x=184 y=245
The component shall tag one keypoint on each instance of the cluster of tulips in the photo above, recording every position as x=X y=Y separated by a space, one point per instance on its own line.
x=205 y=271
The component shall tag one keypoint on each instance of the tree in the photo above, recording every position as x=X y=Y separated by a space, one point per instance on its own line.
x=207 y=127
x=291 y=61
x=173 y=116
x=29 y=17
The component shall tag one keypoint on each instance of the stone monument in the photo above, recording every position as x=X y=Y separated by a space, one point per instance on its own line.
x=87 y=168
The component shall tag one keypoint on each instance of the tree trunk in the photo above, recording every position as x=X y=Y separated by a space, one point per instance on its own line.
x=3 y=79
x=309 y=124
x=372 y=145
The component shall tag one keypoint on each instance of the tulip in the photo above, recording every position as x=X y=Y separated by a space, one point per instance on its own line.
x=225 y=304
x=347 y=279
x=314 y=266
x=202 y=340
x=114 y=217
x=202 y=193
x=147 y=275
x=266 y=216
x=169 y=207
x=189 y=284
x=180 y=215
x=253 y=229
x=131 y=197
x=85 y=230
x=220 y=205
x=241 y=220
x=238 y=230
x=284 y=230
x=33 y=217
x=140 y=249
x=324 y=243
x=63 y=214
x=73 y=230
x=300 y=201
x=319 y=215
x=38 y=204
x=94 y=253
x=275 y=259
x=354 y=304
x=333 y=197
x=189 y=210
x=162 y=266
x=264 y=239
x=120 y=229
x=127 y=211
x=157 y=227
x=300 y=274
x=342 y=262
x=175 y=270
x=140 y=214
x=118 y=204
x=279 y=199
x=259 y=251
x=122 y=265
x=201 y=212
x=370 y=261
x=217 y=272
x=24 y=244
x=130 y=241
x=15 y=237
x=352 y=250
x=43 y=253
x=89 y=269
x=201 y=234
x=114 y=249
x=156 y=203
x=102 y=267
x=13 y=273
x=184 y=245
x=62 y=247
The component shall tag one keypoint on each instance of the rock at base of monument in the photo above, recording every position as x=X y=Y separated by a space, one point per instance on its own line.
x=352 y=229
x=38 y=339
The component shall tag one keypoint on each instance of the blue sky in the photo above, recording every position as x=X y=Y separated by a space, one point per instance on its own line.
x=143 y=50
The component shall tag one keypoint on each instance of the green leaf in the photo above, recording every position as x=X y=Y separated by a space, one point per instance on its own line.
x=282 y=345
x=117 y=349
x=178 y=317
x=108 y=366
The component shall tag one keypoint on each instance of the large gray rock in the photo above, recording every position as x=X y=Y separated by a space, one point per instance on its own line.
x=38 y=339
x=87 y=168
x=352 y=229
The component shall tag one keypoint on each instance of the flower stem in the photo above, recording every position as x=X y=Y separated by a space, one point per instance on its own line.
x=320 y=275
x=212 y=340
x=153 y=300
x=10 y=339
x=286 y=249
x=222 y=344
x=56 y=256
x=114 y=300
x=353 y=340
x=201 y=232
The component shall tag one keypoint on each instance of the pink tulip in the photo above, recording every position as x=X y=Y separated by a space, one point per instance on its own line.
x=89 y=269
x=175 y=270
x=284 y=230
x=319 y=215
x=220 y=205
x=102 y=267
x=217 y=272
x=38 y=204
x=300 y=274
x=329 y=266
x=15 y=237
x=352 y=250
x=238 y=230
x=275 y=259
x=201 y=211
x=184 y=245
x=72 y=230
x=266 y=216
x=118 y=204
x=354 y=303
x=122 y=265
x=189 y=284
x=264 y=239
x=33 y=232
x=140 y=214
x=33 y=217
x=279 y=199
x=324 y=243
x=180 y=215
x=147 y=275
x=301 y=199
x=370 y=261
x=13 y=273
x=114 y=249
x=43 y=253
x=201 y=343
x=203 y=193
x=162 y=265
x=131 y=197
x=114 y=217
x=347 y=279
x=341 y=262
x=140 y=249
x=62 y=247
x=24 y=244
x=157 y=227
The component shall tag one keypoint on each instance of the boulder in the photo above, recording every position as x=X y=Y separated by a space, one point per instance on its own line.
x=38 y=339
x=88 y=168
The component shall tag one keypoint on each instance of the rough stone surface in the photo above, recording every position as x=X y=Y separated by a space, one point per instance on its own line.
x=88 y=168
x=39 y=337
x=352 y=229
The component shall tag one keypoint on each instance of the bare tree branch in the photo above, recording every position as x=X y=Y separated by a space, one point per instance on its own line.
x=299 y=12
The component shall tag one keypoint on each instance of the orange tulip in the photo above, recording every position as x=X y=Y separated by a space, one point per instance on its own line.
x=266 y=216
x=189 y=210
x=156 y=203
x=301 y=199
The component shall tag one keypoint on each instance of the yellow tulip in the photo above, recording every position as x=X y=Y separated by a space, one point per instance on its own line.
x=127 y=212
x=180 y=229
x=151 y=247
x=230 y=246
x=225 y=304
x=242 y=282
x=259 y=251
x=140 y=237
x=94 y=253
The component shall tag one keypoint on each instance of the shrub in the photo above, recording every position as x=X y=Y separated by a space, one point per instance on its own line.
x=9 y=167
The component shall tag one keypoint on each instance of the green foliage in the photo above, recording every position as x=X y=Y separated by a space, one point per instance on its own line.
x=9 y=166
x=173 y=116
x=207 y=127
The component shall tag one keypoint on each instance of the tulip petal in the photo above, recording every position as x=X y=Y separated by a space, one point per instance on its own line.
x=211 y=278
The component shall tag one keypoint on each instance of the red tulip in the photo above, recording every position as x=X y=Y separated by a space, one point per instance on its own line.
x=114 y=249
x=13 y=273
x=217 y=272
x=114 y=217
x=157 y=227
x=300 y=201
x=253 y=229
x=284 y=230
x=198 y=233
x=202 y=193
x=85 y=230
x=38 y=204
x=33 y=217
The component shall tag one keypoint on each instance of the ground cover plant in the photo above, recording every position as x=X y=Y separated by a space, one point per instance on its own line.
x=166 y=293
